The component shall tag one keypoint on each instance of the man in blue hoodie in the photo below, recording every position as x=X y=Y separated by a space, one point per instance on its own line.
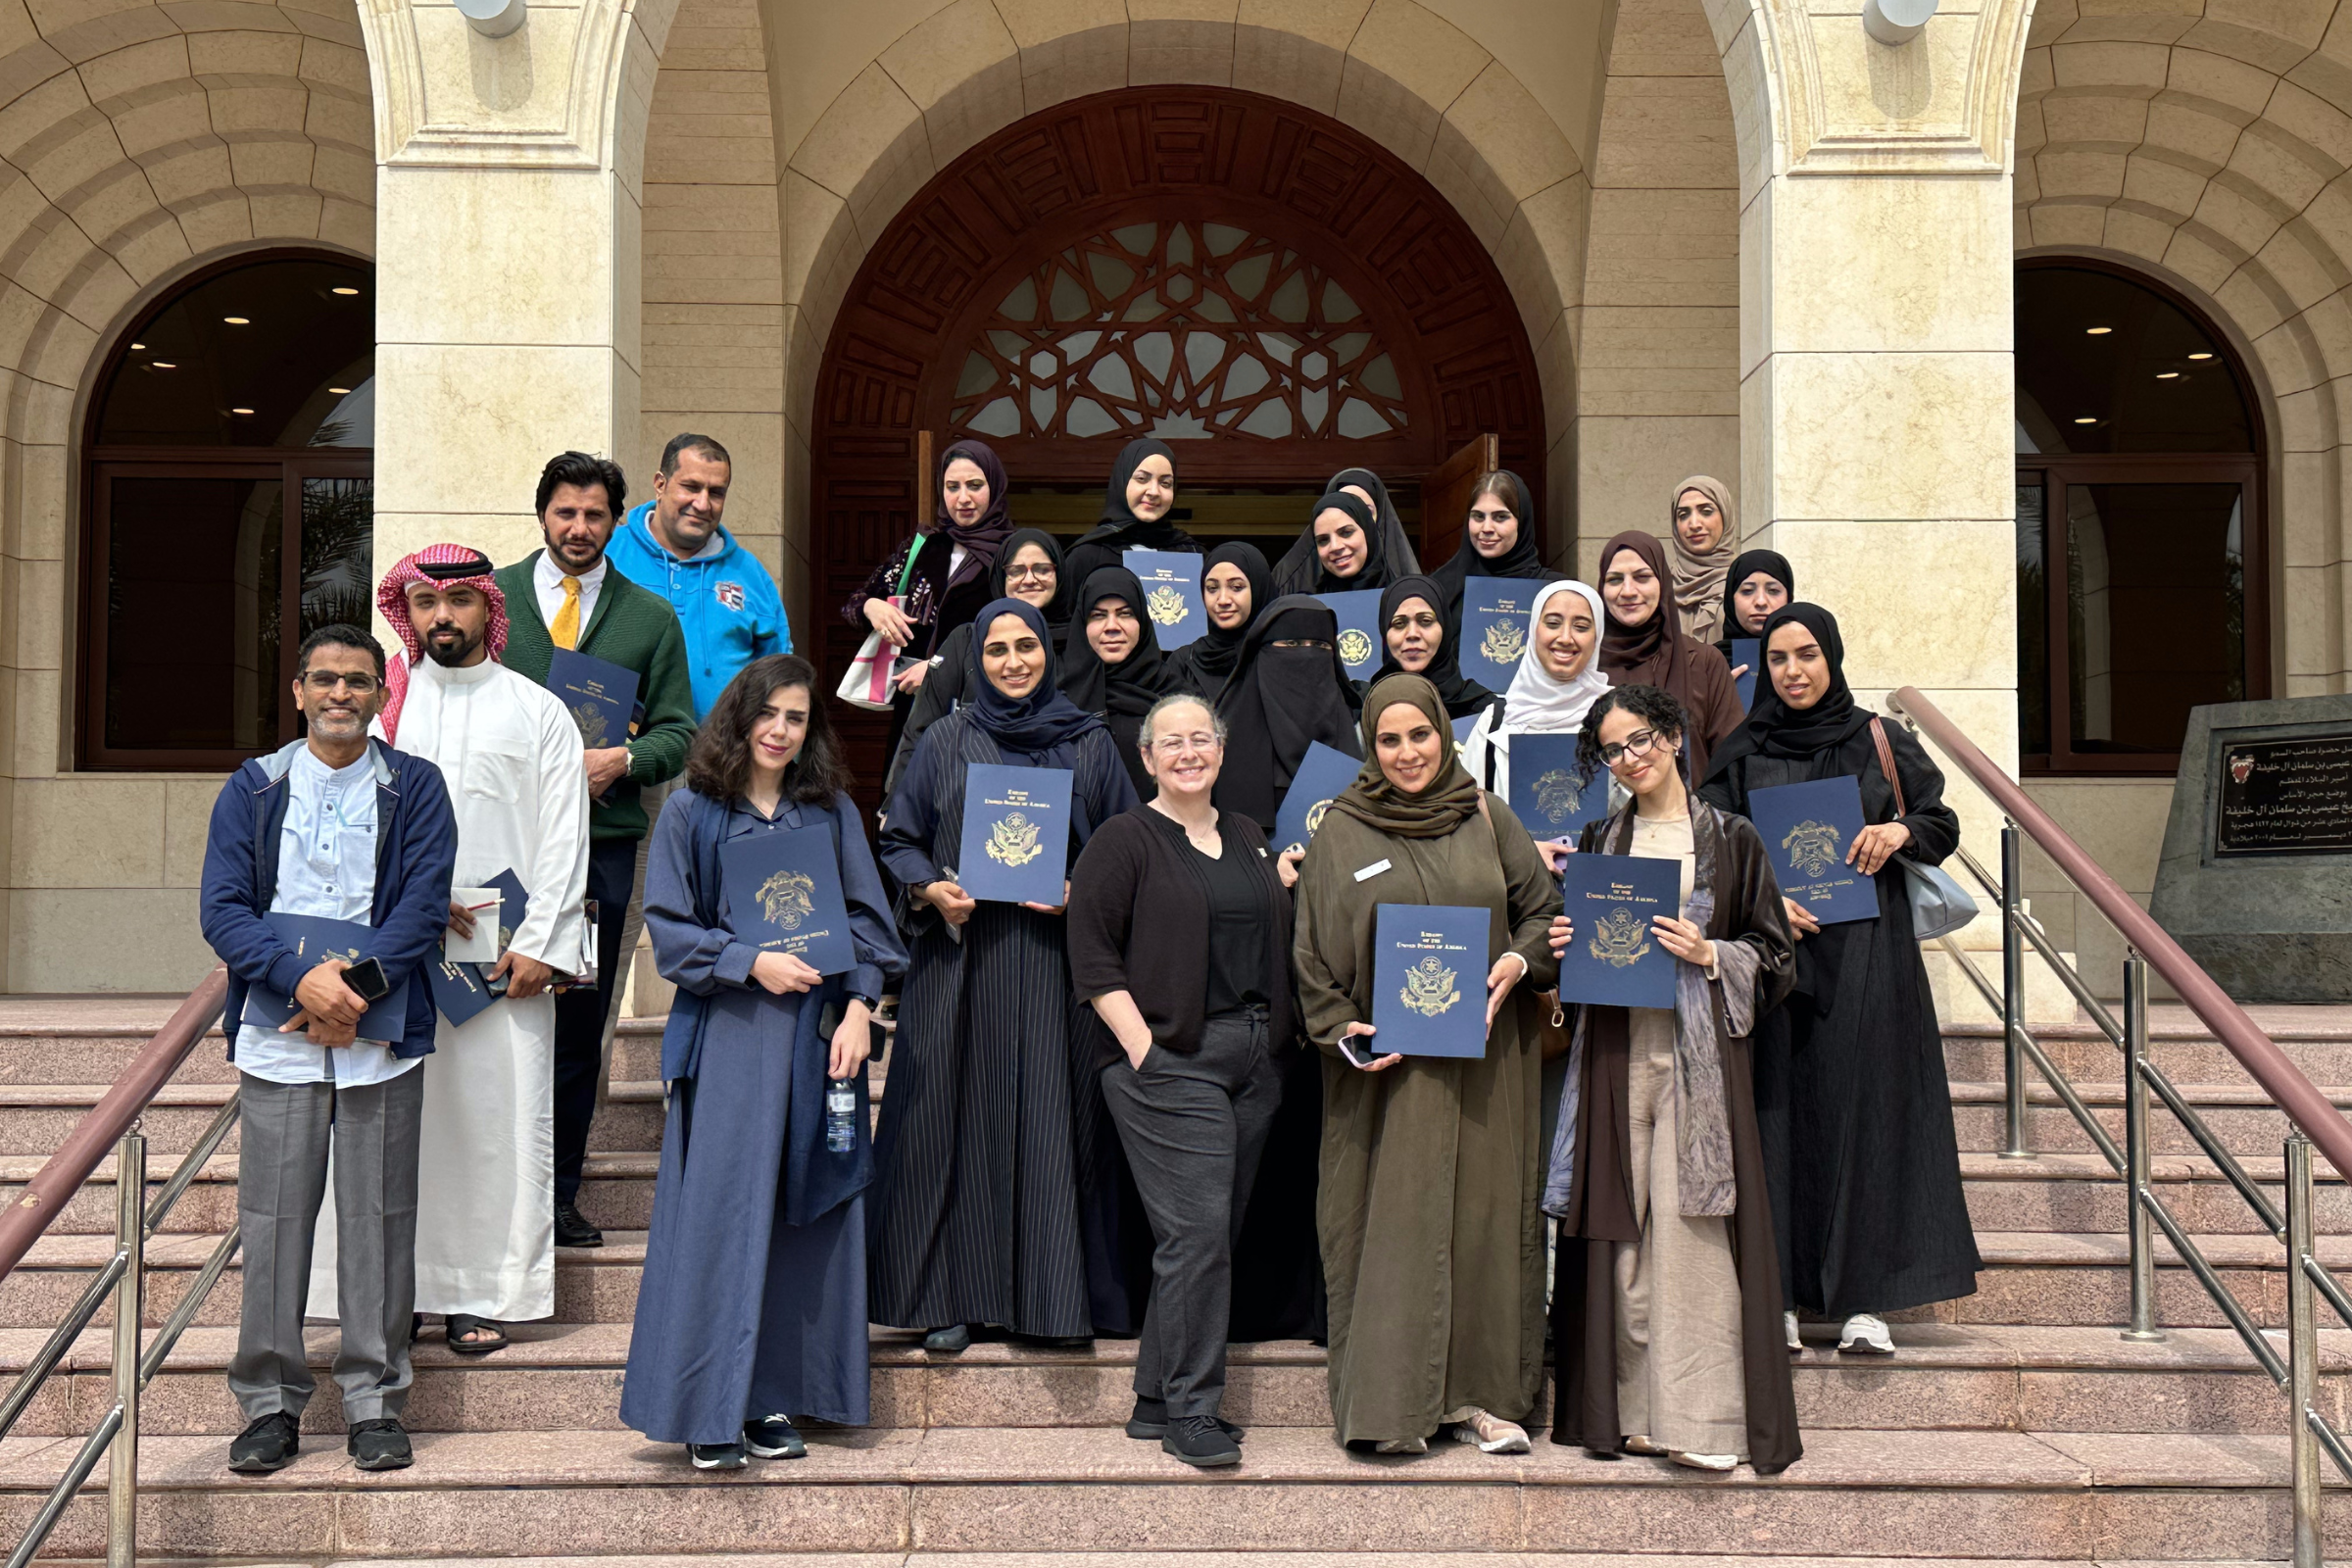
x=674 y=544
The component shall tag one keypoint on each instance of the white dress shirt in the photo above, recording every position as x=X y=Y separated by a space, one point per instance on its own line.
x=325 y=867
x=548 y=578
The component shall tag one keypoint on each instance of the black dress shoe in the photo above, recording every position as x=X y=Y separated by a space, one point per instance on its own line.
x=573 y=1228
x=379 y=1446
x=950 y=1340
x=774 y=1437
x=1202 y=1441
x=1150 y=1420
x=269 y=1444
x=717 y=1456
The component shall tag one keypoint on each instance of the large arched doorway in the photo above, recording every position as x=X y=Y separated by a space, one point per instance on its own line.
x=1262 y=286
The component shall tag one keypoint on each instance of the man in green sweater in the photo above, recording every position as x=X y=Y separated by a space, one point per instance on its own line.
x=566 y=596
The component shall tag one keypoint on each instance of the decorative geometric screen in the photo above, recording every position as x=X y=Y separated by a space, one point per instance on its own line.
x=1181 y=331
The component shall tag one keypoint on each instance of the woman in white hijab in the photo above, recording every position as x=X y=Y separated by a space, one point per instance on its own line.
x=1558 y=677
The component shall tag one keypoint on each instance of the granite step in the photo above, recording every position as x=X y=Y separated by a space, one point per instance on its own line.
x=896 y=1558
x=2317 y=1039
x=2071 y=1496
x=2240 y=1117
x=35 y=1118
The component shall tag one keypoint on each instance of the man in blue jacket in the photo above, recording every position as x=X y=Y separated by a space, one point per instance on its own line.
x=342 y=827
x=674 y=544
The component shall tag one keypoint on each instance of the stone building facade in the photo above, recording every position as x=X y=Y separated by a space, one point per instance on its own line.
x=1737 y=236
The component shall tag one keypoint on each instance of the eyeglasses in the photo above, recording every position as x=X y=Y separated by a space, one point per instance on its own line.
x=1638 y=744
x=1028 y=573
x=1170 y=745
x=324 y=681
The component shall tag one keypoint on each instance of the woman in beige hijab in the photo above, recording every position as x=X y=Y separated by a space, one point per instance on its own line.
x=1703 y=540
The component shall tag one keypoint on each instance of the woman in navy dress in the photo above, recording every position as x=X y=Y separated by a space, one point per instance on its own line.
x=752 y=1308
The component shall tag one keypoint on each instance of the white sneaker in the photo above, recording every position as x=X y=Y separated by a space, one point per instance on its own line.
x=1705 y=1461
x=1492 y=1433
x=1788 y=1327
x=1866 y=1334
x=1643 y=1445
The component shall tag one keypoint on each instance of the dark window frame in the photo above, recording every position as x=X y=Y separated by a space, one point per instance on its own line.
x=2058 y=470
x=100 y=464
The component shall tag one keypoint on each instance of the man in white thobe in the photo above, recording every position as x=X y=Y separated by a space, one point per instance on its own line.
x=485 y=1198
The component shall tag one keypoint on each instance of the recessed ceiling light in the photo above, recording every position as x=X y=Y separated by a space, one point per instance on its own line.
x=346 y=292
x=340 y=391
x=2087 y=419
x=164 y=365
x=139 y=345
x=240 y=411
x=2167 y=375
x=2200 y=356
x=2097 y=331
x=238 y=320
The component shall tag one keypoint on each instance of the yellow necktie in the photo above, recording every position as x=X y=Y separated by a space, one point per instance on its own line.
x=566 y=629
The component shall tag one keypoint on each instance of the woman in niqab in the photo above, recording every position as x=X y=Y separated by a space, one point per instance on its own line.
x=1112 y=665
x=1433 y=1243
x=1416 y=640
x=1666 y=1290
x=975 y=1218
x=1028 y=568
x=1644 y=645
x=1704 y=540
x=1136 y=508
x=1236 y=584
x=1850 y=1086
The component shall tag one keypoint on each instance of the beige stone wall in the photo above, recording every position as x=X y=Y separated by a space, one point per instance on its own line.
x=136 y=143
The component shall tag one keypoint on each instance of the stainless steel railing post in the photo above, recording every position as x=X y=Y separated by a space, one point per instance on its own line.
x=2302 y=1352
x=123 y=1460
x=2013 y=998
x=2138 y=1195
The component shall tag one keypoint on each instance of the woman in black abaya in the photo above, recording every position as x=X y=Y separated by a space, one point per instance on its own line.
x=1112 y=665
x=1137 y=509
x=1851 y=1097
x=1417 y=641
x=1236 y=584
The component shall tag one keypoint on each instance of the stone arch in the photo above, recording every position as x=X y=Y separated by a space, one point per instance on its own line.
x=2213 y=152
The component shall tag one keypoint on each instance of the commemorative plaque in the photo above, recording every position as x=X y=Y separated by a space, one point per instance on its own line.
x=2284 y=796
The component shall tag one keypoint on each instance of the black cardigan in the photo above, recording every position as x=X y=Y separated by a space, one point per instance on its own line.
x=1139 y=922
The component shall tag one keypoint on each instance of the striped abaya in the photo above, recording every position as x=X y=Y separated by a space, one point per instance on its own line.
x=974 y=1216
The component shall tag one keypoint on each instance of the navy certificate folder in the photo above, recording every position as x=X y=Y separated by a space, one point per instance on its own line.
x=1494 y=626
x=457 y=989
x=1171 y=580
x=315 y=938
x=1428 y=980
x=1462 y=727
x=1748 y=651
x=1549 y=796
x=783 y=893
x=1360 y=645
x=1615 y=959
x=1323 y=772
x=1017 y=833
x=1807 y=829
x=600 y=694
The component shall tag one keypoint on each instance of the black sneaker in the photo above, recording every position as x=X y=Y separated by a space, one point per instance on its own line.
x=1202 y=1441
x=950 y=1341
x=1150 y=1420
x=379 y=1446
x=717 y=1456
x=572 y=1228
x=269 y=1444
x=774 y=1437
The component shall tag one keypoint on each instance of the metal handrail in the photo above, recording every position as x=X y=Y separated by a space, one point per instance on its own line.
x=2312 y=1118
x=116 y=1119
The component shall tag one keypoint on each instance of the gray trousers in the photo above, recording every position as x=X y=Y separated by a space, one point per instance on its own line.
x=281 y=1180
x=1194 y=1128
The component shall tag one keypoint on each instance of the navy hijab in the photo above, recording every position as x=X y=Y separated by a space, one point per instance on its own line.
x=1037 y=722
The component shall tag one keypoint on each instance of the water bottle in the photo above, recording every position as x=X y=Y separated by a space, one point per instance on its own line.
x=841 y=1117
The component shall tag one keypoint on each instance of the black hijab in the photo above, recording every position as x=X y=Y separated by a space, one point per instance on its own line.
x=1775 y=730
x=1772 y=564
x=1300 y=570
x=1037 y=722
x=1120 y=529
x=1277 y=702
x=1129 y=688
x=1522 y=560
x=1055 y=610
x=1204 y=664
x=1462 y=695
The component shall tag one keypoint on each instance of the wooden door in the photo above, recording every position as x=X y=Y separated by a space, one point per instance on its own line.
x=1447 y=494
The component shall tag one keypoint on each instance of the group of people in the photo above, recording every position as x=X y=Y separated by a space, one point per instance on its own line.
x=1157 y=1108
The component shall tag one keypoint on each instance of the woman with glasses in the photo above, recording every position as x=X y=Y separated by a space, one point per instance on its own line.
x=1850 y=1086
x=1433 y=1244
x=1180 y=937
x=1027 y=568
x=1666 y=1321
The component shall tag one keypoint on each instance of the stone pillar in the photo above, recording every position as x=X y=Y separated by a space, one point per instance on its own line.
x=508 y=292
x=1877 y=383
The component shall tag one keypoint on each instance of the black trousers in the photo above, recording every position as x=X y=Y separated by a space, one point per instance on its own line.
x=580 y=1013
x=1192 y=1128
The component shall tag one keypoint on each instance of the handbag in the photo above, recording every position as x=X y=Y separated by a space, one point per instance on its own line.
x=1940 y=905
x=868 y=682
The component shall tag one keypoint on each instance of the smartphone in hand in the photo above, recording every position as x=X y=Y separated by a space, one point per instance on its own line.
x=366 y=980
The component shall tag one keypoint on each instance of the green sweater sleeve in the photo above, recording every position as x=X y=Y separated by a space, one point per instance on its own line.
x=661 y=752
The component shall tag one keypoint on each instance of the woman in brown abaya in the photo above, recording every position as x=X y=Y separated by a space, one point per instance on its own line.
x=1433 y=1246
x=1644 y=645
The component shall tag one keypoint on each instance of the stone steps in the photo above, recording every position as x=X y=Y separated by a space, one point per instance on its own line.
x=2008 y=1494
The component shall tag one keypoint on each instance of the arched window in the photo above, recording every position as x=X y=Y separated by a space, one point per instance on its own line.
x=2140 y=521
x=229 y=505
